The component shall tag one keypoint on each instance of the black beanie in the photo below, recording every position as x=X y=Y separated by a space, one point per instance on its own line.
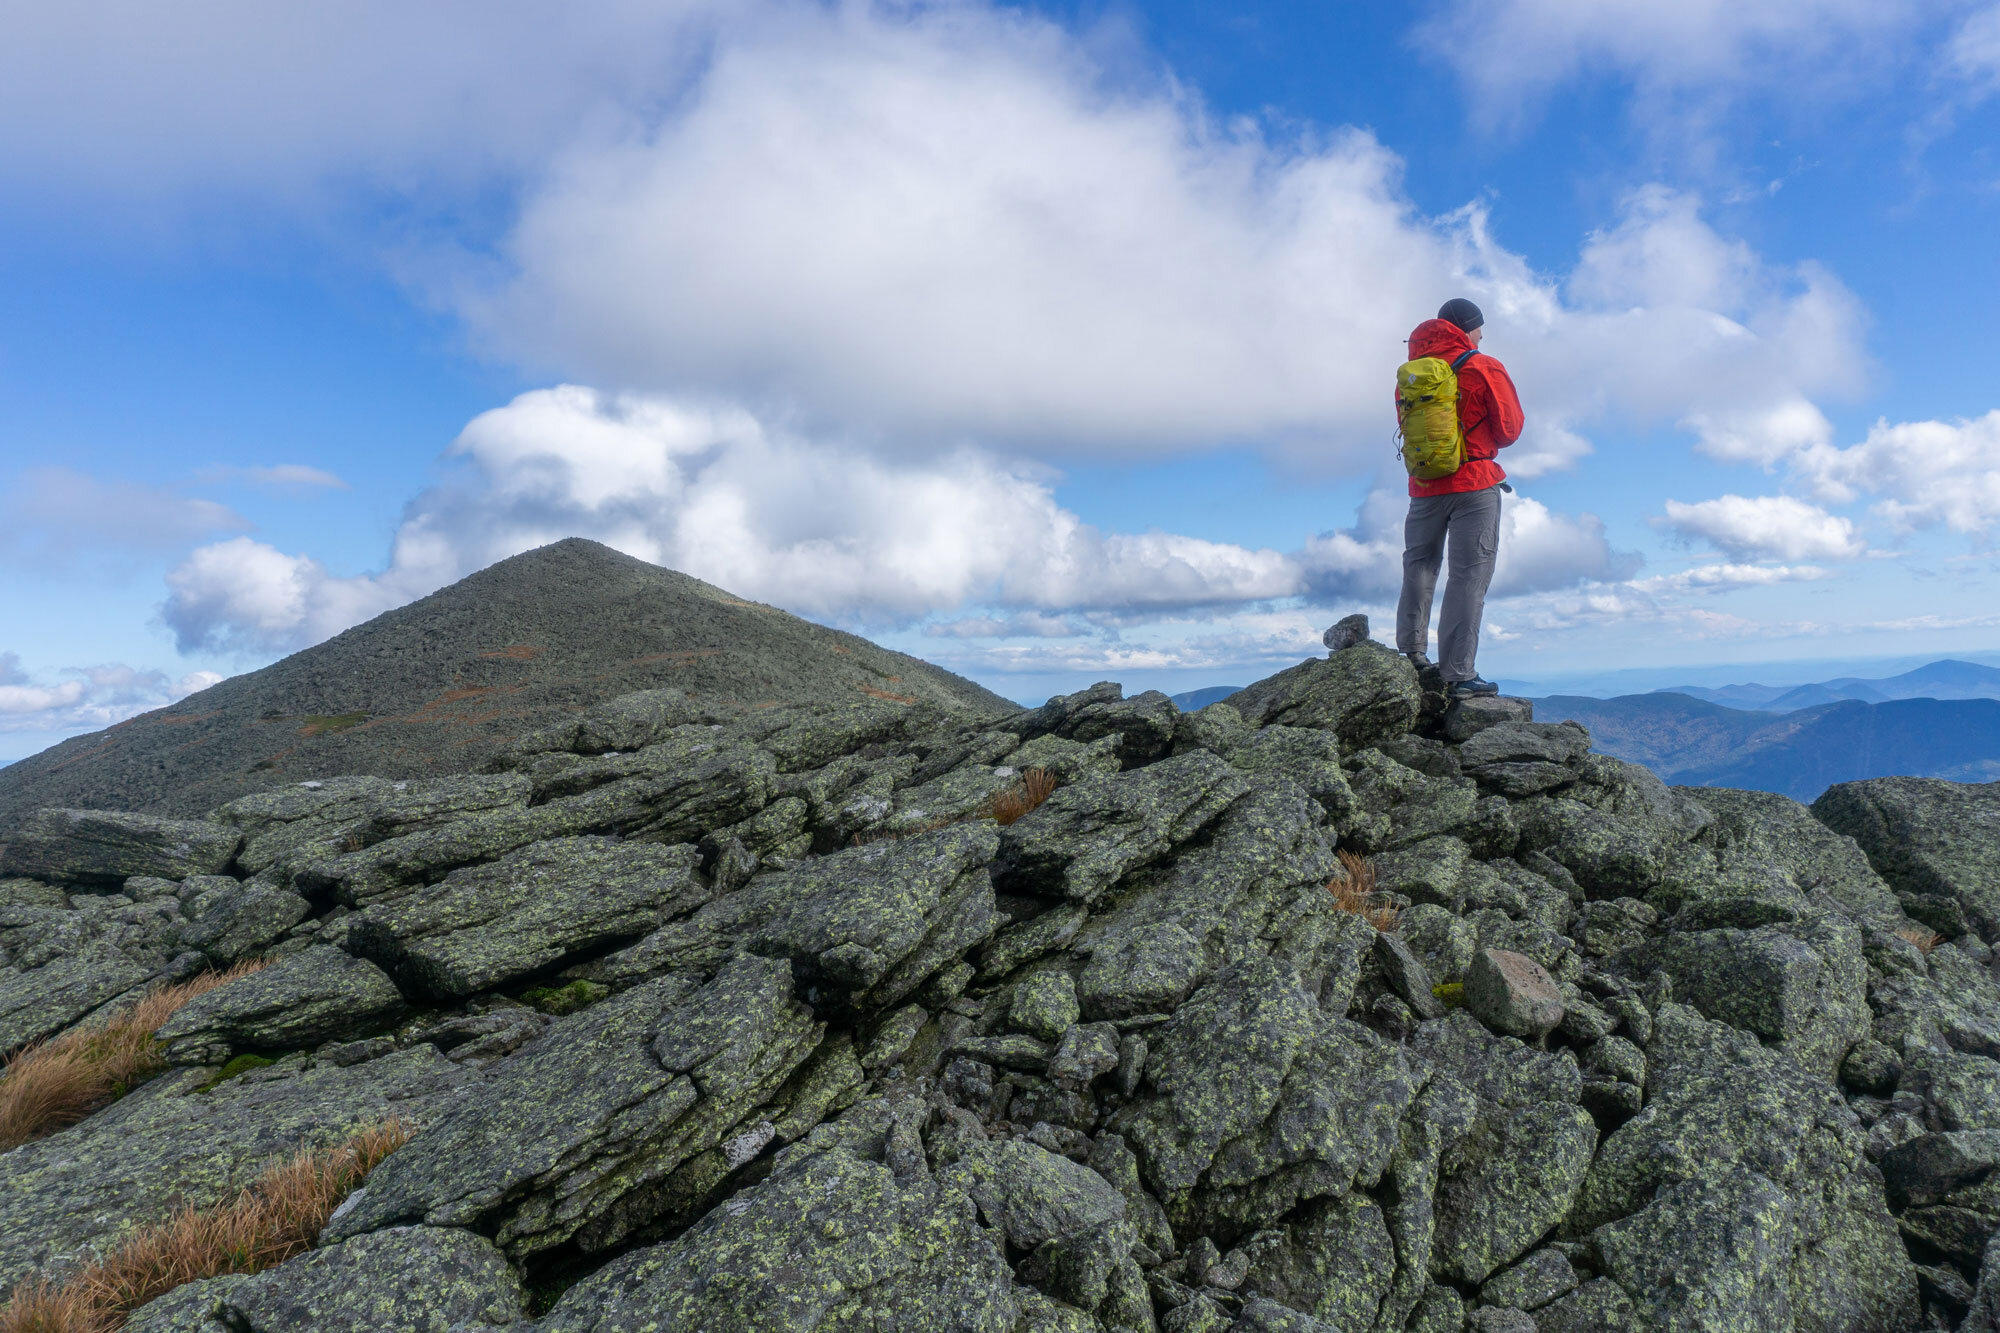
x=1462 y=313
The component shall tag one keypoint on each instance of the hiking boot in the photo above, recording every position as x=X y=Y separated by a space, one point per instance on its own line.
x=1420 y=661
x=1473 y=689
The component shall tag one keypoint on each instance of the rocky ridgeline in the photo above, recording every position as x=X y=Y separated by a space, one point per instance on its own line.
x=759 y=1024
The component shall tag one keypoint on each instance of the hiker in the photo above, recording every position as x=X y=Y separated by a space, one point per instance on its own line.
x=1455 y=409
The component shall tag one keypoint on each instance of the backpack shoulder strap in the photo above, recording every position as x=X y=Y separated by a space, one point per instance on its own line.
x=1468 y=354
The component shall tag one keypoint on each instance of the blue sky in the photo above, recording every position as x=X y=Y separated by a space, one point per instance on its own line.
x=1050 y=342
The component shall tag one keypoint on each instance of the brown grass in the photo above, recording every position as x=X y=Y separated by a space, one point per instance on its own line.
x=273 y=1220
x=1355 y=892
x=1035 y=786
x=56 y=1083
x=1925 y=940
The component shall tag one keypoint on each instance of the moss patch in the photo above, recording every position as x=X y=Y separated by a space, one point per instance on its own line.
x=560 y=1000
x=1451 y=994
x=242 y=1064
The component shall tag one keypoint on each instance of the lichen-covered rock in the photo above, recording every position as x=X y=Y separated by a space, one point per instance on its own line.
x=192 y=1307
x=107 y=847
x=1361 y=694
x=611 y=1119
x=38 y=1002
x=528 y=912
x=319 y=995
x=1333 y=1262
x=1079 y=842
x=1926 y=837
x=864 y=926
x=1734 y=1138
x=1757 y=832
x=1030 y=1194
x=288 y=827
x=1802 y=985
x=411 y=1279
x=1045 y=1005
x=1522 y=758
x=175 y=1142
x=1468 y=717
x=242 y=920
x=850 y=1231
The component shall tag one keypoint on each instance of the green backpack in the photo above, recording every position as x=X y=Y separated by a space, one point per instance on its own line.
x=1427 y=427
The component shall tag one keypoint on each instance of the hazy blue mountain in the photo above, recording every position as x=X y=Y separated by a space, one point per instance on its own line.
x=1801 y=753
x=1947 y=679
x=1203 y=697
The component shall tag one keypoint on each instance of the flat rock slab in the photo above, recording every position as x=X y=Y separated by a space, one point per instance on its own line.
x=1083 y=839
x=837 y=1238
x=1362 y=694
x=578 y=1136
x=169 y=1144
x=318 y=995
x=410 y=1279
x=1926 y=836
x=107 y=847
x=528 y=912
x=36 y=1003
x=292 y=826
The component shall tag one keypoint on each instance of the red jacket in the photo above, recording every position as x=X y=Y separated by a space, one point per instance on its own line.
x=1489 y=411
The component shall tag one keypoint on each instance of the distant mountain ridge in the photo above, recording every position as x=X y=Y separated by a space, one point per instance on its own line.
x=1694 y=742
x=436 y=686
x=1945 y=679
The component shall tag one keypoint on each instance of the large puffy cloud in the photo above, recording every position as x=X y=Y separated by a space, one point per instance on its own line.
x=85 y=697
x=944 y=221
x=1766 y=527
x=1926 y=473
x=820 y=526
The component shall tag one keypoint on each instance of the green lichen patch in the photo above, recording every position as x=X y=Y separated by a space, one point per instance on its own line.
x=236 y=1068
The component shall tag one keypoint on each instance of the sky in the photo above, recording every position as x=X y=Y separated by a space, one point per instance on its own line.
x=1052 y=342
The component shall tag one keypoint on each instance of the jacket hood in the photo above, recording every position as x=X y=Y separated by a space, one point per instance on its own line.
x=1440 y=338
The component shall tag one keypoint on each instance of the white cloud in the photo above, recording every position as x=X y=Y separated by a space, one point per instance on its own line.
x=1973 y=54
x=1539 y=549
x=1927 y=473
x=87 y=697
x=1510 y=52
x=818 y=526
x=1765 y=527
x=56 y=514
x=281 y=476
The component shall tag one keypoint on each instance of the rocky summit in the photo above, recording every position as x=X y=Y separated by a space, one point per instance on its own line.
x=1324 y=1009
x=436 y=687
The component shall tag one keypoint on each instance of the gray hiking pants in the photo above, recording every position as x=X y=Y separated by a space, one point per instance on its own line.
x=1471 y=522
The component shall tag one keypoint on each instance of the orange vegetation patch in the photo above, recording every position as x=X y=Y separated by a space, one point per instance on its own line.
x=1355 y=892
x=1035 y=786
x=516 y=652
x=842 y=649
x=273 y=1220
x=56 y=1083
x=1925 y=940
x=874 y=693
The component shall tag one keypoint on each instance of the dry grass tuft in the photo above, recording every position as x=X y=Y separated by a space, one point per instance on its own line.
x=1355 y=892
x=1036 y=785
x=1925 y=940
x=56 y=1083
x=273 y=1220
